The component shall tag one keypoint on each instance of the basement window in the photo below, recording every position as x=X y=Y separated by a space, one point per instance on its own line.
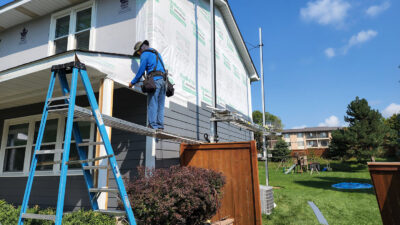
x=72 y=29
x=19 y=141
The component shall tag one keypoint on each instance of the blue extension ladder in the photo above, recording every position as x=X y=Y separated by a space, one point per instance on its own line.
x=72 y=128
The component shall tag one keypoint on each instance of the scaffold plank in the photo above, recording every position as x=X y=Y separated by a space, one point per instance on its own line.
x=83 y=114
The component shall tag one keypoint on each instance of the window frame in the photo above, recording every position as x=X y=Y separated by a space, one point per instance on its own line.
x=72 y=12
x=31 y=120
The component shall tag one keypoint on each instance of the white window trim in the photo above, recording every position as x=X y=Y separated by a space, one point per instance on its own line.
x=31 y=120
x=72 y=25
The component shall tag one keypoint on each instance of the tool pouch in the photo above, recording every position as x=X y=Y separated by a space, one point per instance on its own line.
x=170 y=90
x=148 y=85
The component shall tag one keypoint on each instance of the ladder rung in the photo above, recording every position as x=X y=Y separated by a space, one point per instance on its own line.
x=38 y=216
x=111 y=190
x=59 y=98
x=57 y=107
x=55 y=151
x=111 y=212
x=95 y=167
x=89 y=160
x=90 y=143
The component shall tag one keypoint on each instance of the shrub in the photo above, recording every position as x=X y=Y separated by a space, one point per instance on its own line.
x=281 y=150
x=177 y=195
x=83 y=217
x=10 y=214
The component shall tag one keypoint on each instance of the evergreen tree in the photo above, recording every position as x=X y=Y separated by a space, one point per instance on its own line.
x=339 y=144
x=281 y=150
x=365 y=135
x=393 y=141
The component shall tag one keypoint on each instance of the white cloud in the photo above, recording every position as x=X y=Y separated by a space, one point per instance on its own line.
x=391 y=109
x=362 y=37
x=330 y=52
x=357 y=39
x=299 y=127
x=326 y=12
x=332 y=121
x=377 y=9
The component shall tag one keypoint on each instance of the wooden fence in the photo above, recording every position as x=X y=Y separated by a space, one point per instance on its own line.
x=238 y=162
x=386 y=179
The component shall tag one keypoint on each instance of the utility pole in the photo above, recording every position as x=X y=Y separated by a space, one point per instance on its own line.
x=214 y=127
x=263 y=108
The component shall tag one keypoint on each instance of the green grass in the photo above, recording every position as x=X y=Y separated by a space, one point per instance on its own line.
x=337 y=206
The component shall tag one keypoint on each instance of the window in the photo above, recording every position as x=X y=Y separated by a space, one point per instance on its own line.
x=300 y=143
x=72 y=29
x=312 y=144
x=310 y=135
x=300 y=135
x=323 y=135
x=286 y=135
x=324 y=143
x=48 y=142
x=15 y=149
x=19 y=141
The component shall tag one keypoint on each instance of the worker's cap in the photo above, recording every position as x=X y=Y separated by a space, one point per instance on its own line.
x=138 y=45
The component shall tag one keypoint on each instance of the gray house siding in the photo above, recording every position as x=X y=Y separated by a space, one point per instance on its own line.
x=116 y=27
x=193 y=122
x=13 y=52
x=129 y=148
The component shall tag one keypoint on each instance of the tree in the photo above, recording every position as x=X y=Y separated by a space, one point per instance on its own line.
x=339 y=144
x=393 y=141
x=275 y=121
x=281 y=150
x=365 y=135
x=269 y=119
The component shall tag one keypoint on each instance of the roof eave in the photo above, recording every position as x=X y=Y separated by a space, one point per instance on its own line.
x=238 y=38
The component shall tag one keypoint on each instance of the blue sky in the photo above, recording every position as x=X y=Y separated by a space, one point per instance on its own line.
x=3 y=2
x=320 y=54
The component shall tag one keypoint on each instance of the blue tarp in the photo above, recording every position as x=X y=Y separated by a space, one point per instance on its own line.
x=351 y=185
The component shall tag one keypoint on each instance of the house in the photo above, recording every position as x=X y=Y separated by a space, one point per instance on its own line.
x=36 y=34
x=309 y=140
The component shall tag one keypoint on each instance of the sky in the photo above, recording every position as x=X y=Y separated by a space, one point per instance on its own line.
x=320 y=54
x=4 y=2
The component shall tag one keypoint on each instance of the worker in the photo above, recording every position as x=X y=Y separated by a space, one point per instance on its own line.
x=155 y=69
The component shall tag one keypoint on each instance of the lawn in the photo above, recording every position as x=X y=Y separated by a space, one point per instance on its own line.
x=338 y=206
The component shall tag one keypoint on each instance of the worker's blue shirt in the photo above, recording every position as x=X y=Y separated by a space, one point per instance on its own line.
x=148 y=63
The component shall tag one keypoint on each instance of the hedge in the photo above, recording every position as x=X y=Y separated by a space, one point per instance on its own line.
x=9 y=214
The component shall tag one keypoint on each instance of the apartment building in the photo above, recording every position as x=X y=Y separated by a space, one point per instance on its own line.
x=310 y=138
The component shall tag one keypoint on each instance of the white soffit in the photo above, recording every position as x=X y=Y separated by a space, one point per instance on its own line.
x=25 y=10
x=28 y=83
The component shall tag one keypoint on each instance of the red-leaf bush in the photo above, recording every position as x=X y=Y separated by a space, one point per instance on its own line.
x=177 y=195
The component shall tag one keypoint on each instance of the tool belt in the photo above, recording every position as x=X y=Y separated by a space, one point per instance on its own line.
x=157 y=74
x=148 y=84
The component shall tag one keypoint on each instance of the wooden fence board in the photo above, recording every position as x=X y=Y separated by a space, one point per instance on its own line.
x=386 y=179
x=238 y=162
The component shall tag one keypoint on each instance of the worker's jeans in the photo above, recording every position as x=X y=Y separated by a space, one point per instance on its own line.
x=155 y=105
